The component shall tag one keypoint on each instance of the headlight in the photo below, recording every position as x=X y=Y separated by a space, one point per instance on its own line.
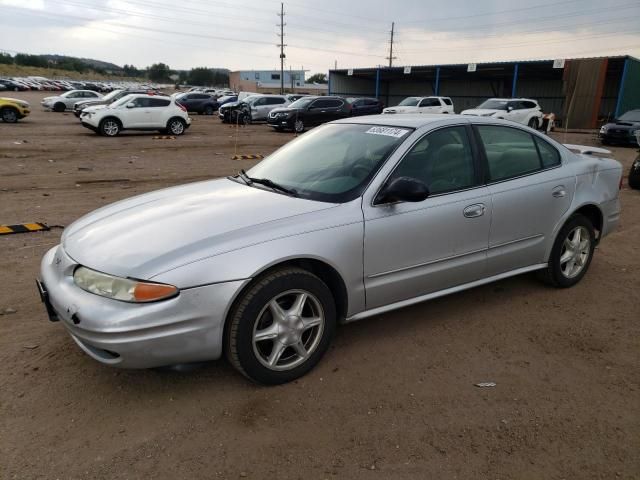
x=603 y=129
x=123 y=289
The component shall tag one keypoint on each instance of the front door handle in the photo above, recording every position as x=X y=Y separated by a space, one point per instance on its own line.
x=475 y=210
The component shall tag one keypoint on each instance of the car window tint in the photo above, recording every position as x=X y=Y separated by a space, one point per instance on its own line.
x=510 y=152
x=159 y=102
x=275 y=100
x=528 y=105
x=447 y=101
x=430 y=102
x=141 y=102
x=443 y=160
x=549 y=155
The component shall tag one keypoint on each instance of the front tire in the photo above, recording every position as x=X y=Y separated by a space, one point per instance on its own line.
x=533 y=123
x=281 y=326
x=59 y=107
x=634 y=175
x=176 y=126
x=109 y=127
x=571 y=254
x=298 y=126
x=9 y=115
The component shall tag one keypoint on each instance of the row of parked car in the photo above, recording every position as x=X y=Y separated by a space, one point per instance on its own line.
x=22 y=84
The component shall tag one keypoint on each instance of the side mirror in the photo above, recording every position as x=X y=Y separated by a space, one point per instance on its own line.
x=403 y=189
x=131 y=105
x=509 y=108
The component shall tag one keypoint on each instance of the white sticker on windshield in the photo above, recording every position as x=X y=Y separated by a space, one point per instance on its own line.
x=388 y=131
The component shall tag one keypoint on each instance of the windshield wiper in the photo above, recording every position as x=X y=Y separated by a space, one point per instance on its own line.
x=266 y=182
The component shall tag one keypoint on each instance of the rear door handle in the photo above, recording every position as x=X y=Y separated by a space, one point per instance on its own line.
x=475 y=210
x=559 y=192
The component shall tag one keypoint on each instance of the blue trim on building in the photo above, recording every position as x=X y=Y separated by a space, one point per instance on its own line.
x=437 y=89
x=514 y=84
x=621 y=89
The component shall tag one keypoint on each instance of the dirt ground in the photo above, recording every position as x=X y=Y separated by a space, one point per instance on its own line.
x=394 y=397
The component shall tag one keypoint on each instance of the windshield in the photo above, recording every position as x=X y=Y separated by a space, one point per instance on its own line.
x=122 y=101
x=111 y=96
x=301 y=103
x=630 y=116
x=333 y=163
x=409 y=102
x=494 y=105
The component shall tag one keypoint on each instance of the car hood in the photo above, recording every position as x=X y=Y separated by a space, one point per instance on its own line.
x=481 y=112
x=88 y=103
x=15 y=100
x=48 y=99
x=152 y=233
x=230 y=105
x=622 y=125
x=284 y=110
x=94 y=108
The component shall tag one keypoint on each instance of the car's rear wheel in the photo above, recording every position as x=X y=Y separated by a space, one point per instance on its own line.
x=533 y=123
x=9 y=115
x=175 y=126
x=298 y=126
x=59 y=107
x=109 y=127
x=571 y=254
x=281 y=326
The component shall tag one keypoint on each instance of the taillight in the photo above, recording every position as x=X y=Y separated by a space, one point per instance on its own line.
x=182 y=107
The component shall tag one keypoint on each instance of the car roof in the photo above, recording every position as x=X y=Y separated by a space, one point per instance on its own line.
x=419 y=121
x=511 y=99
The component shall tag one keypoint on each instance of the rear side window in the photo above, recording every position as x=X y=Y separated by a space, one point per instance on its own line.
x=275 y=100
x=159 y=102
x=370 y=101
x=549 y=155
x=526 y=104
x=510 y=152
x=447 y=101
x=326 y=103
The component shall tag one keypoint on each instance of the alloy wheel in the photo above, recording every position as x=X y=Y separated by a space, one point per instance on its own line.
x=111 y=128
x=575 y=252
x=288 y=330
x=9 y=115
x=176 y=127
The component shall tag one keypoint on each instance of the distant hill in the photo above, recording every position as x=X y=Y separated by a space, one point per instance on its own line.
x=91 y=62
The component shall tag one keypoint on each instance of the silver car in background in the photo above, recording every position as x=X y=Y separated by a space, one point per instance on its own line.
x=67 y=100
x=353 y=219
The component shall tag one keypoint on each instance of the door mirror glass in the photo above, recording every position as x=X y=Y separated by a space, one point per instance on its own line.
x=404 y=189
x=509 y=108
x=131 y=105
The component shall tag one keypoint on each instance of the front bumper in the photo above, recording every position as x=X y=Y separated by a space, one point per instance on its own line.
x=280 y=122
x=624 y=137
x=183 y=329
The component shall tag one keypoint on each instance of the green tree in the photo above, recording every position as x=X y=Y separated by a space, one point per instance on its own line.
x=317 y=78
x=159 y=72
x=130 y=71
x=201 y=76
x=6 y=58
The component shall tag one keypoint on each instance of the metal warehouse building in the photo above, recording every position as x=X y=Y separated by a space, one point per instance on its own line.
x=582 y=92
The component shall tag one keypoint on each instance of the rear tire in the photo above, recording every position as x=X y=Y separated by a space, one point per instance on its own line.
x=9 y=115
x=634 y=176
x=176 y=126
x=59 y=107
x=533 y=123
x=281 y=326
x=571 y=255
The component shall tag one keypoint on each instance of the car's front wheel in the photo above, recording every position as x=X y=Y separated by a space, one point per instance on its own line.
x=109 y=127
x=281 y=326
x=571 y=254
x=59 y=107
x=634 y=175
x=9 y=115
x=533 y=122
x=176 y=126
x=298 y=126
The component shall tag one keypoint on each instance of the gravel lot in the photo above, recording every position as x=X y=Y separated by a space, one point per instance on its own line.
x=394 y=397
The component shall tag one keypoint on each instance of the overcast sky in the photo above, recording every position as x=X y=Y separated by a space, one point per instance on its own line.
x=241 y=34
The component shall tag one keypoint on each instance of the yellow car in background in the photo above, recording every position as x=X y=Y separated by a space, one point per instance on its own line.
x=12 y=109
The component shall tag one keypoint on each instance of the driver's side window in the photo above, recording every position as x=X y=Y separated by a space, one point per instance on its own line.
x=442 y=160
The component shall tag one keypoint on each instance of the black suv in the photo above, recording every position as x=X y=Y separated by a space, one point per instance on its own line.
x=308 y=112
x=202 y=103
x=365 y=106
x=108 y=99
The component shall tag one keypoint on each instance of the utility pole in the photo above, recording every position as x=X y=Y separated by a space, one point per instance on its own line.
x=281 y=45
x=391 y=58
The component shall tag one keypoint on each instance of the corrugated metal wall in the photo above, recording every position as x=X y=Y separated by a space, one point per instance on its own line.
x=351 y=85
x=630 y=94
x=583 y=91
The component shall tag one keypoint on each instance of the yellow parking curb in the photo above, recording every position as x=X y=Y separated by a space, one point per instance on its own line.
x=23 y=228
x=247 y=157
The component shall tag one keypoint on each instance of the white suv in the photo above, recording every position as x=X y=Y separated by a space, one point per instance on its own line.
x=137 y=112
x=422 y=105
x=522 y=110
x=260 y=105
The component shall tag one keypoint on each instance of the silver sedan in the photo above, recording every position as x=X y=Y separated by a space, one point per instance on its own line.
x=353 y=219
